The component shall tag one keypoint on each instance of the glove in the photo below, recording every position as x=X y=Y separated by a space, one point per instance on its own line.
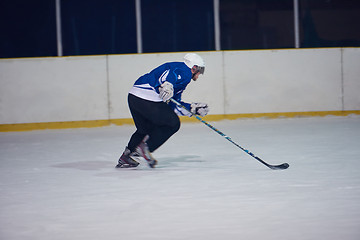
x=201 y=109
x=166 y=91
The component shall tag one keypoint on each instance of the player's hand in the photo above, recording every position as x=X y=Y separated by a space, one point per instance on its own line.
x=201 y=109
x=166 y=91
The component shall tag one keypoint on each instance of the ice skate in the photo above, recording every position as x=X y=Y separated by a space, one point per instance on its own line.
x=125 y=161
x=143 y=151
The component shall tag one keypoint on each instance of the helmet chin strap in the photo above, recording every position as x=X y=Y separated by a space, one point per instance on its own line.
x=196 y=71
x=193 y=75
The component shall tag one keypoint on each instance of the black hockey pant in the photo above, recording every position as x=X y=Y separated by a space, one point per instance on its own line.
x=155 y=119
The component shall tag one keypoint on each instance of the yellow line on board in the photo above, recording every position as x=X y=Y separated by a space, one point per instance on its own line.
x=52 y=125
x=123 y=121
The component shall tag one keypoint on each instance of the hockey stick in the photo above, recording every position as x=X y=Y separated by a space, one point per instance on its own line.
x=275 y=167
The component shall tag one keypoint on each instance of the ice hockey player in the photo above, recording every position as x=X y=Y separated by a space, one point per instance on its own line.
x=156 y=118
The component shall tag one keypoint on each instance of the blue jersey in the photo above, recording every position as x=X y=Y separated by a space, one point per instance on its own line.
x=177 y=73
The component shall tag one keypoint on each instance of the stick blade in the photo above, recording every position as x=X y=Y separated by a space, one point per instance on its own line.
x=279 y=167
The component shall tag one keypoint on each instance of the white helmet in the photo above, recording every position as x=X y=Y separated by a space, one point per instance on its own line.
x=192 y=59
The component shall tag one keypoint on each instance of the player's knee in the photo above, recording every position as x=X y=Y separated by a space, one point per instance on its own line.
x=175 y=124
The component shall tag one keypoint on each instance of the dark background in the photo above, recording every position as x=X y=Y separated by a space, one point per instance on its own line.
x=90 y=27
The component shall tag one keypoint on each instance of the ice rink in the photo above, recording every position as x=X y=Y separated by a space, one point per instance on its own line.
x=62 y=184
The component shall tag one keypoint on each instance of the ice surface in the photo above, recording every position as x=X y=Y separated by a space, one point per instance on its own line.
x=62 y=184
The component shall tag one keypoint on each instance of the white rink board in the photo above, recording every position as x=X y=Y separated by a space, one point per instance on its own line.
x=235 y=82
x=282 y=81
x=351 y=63
x=53 y=89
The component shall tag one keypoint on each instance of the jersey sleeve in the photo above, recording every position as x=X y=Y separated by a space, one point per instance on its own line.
x=182 y=79
x=179 y=110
